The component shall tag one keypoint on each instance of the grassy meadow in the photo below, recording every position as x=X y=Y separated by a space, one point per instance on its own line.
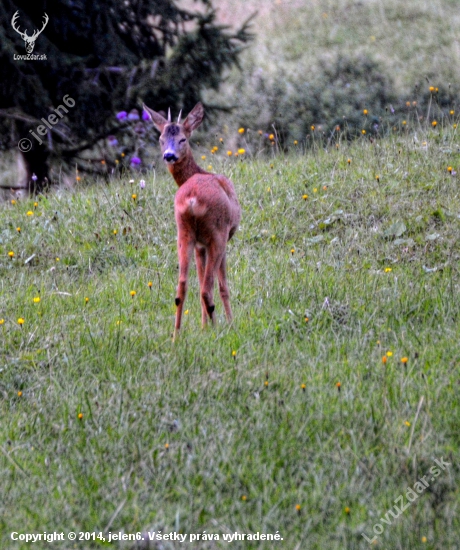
x=332 y=392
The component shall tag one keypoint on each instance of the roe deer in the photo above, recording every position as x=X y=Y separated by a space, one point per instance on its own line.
x=207 y=214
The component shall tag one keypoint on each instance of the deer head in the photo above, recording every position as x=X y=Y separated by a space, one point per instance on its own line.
x=29 y=40
x=175 y=135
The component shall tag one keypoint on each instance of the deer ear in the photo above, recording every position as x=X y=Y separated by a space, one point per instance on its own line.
x=194 y=118
x=159 y=121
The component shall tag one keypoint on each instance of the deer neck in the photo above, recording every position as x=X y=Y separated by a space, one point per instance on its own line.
x=184 y=169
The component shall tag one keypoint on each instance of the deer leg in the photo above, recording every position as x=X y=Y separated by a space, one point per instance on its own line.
x=200 y=257
x=213 y=260
x=223 y=287
x=185 y=249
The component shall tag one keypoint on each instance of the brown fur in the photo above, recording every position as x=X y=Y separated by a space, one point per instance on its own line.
x=207 y=214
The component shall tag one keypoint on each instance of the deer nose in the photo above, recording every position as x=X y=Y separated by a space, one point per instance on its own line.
x=169 y=157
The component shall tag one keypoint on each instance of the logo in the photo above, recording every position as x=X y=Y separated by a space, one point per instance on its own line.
x=28 y=40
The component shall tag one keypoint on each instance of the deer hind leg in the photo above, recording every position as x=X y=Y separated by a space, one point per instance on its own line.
x=223 y=287
x=213 y=260
x=200 y=257
x=185 y=249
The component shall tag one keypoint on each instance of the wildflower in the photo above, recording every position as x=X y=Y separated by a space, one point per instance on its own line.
x=115 y=231
x=260 y=132
x=377 y=177
x=35 y=204
x=266 y=383
x=404 y=122
x=424 y=539
x=389 y=354
x=142 y=184
x=58 y=259
x=434 y=124
x=80 y=416
x=150 y=284
x=34 y=177
x=303 y=386
x=455 y=126
x=347 y=510
x=135 y=161
x=365 y=111
x=363 y=132
x=407 y=423
x=21 y=321
x=271 y=137
x=306 y=319
x=312 y=127
x=13 y=202
x=349 y=161
x=298 y=507
x=134 y=196
x=78 y=178
x=234 y=353
x=221 y=140
x=203 y=157
x=145 y=115
x=315 y=190
x=407 y=103
x=292 y=250
x=449 y=169
x=305 y=197
x=388 y=269
x=338 y=386
x=186 y=312
x=241 y=151
x=122 y=155
x=11 y=254
x=122 y=115
x=103 y=161
x=324 y=187
x=30 y=213
x=209 y=166
x=37 y=300
x=404 y=360
x=132 y=293
x=229 y=153
x=241 y=131
x=133 y=114
x=296 y=142
x=166 y=446
x=244 y=498
x=431 y=89
x=452 y=112
x=337 y=128
x=86 y=299
x=384 y=359
x=19 y=393
x=2 y=321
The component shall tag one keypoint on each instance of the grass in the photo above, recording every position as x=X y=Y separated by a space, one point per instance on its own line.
x=287 y=421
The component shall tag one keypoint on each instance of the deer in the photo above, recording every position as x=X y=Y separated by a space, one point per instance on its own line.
x=207 y=214
x=29 y=40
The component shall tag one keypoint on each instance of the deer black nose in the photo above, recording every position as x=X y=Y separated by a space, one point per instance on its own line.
x=170 y=157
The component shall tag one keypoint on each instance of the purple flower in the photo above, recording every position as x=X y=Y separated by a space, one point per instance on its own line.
x=133 y=115
x=142 y=184
x=135 y=161
x=34 y=177
x=113 y=141
x=122 y=115
x=145 y=115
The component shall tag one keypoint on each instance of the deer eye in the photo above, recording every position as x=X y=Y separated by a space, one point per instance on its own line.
x=182 y=140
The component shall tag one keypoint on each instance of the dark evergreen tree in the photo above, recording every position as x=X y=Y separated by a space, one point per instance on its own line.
x=106 y=56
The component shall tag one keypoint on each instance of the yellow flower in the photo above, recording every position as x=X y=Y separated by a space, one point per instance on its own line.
x=388 y=269
x=315 y=190
x=298 y=507
x=271 y=137
x=404 y=122
x=347 y=510
x=221 y=140
x=80 y=416
x=266 y=383
x=37 y=299
x=377 y=177
x=13 y=201
x=389 y=354
x=363 y=132
x=11 y=254
x=132 y=293
x=338 y=385
x=35 y=204
x=424 y=539
x=449 y=169
x=2 y=321
x=134 y=196
x=186 y=312
x=244 y=498
x=30 y=213
x=86 y=300
x=292 y=250
x=306 y=319
x=241 y=131
x=18 y=229
x=349 y=161
x=203 y=157
x=305 y=197
x=21 y=321
x=209 y=166
x=166 y=446
x=431 y=89
x=384 y=359
x=150 y=284
x=452 y=112
x=296 y=142
x=407 y=423
x=19 y=393
x=303 y=386
x=312 y=127
x=455 y=126
x=229 y=153
x=365 y=112
x=404 y=360
x=434 y=124
x=115 y=231
x=234 y=353
x=241 y=151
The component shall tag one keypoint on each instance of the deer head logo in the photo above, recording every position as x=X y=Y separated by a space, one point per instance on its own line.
x=29 y=40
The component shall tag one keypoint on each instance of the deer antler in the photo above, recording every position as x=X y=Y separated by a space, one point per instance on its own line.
x=36 y=33
x=13 y=24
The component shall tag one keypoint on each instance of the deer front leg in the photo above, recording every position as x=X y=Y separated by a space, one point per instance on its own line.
x=223 y=287
x=185 y=249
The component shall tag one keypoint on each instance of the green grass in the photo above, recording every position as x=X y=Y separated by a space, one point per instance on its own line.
x=187 y=436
